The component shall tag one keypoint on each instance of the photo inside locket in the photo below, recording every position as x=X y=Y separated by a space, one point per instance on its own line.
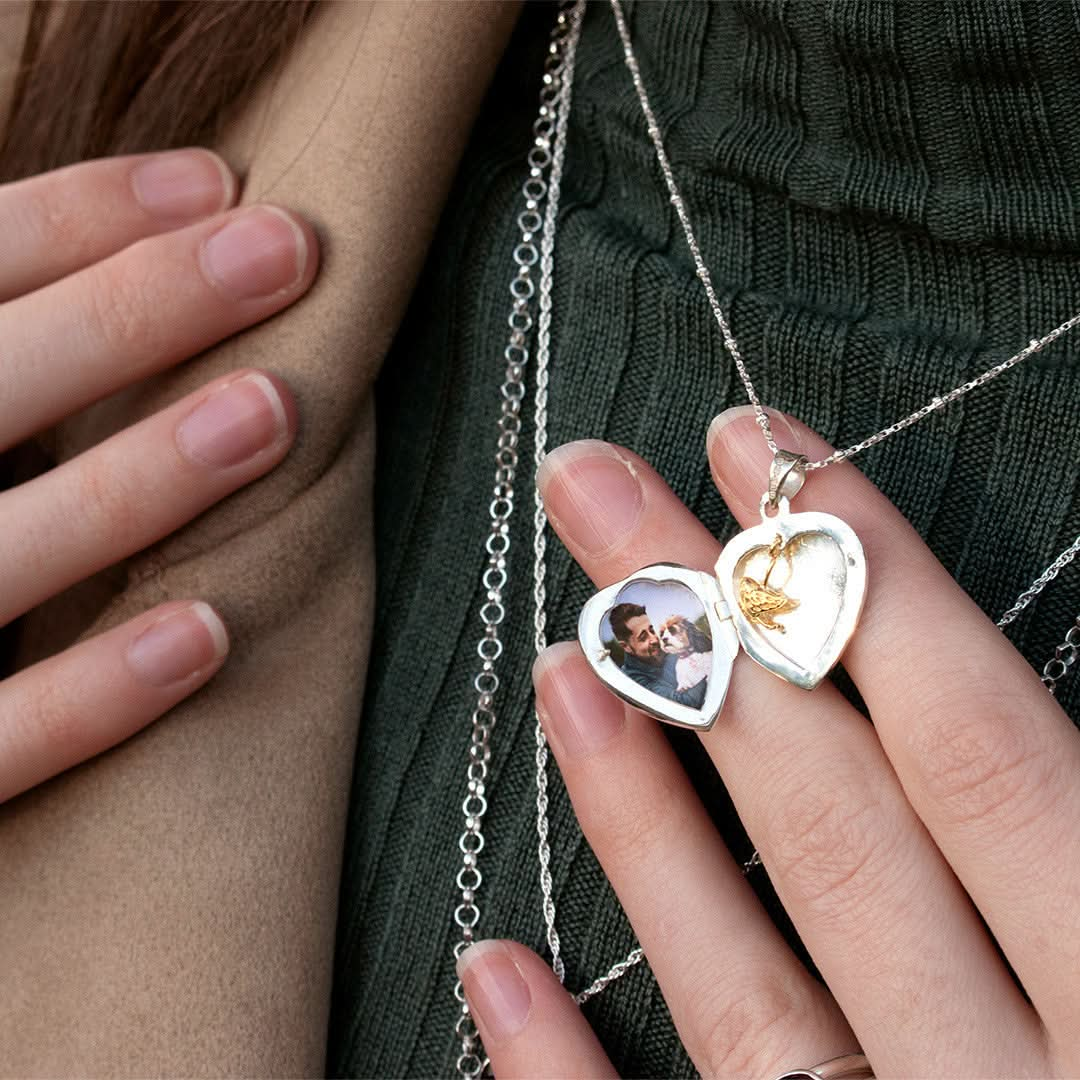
x=657 y=632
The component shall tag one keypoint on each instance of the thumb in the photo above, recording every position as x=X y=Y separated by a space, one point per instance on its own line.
x=529 y=1023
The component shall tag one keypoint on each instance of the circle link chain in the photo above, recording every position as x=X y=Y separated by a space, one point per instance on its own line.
x=1057 y=667
x=557 y=76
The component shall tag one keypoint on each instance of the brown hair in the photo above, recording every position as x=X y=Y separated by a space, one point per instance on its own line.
x=620 y=615
x=100 y=78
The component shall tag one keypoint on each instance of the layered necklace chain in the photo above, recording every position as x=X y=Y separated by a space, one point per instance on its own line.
x=544 y=160
x=535 y=248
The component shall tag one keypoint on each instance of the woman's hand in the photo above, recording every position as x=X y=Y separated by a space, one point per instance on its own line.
x=885 y=843
x=115 y=269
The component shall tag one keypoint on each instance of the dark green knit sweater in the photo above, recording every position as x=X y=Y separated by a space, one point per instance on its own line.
x=886 y=195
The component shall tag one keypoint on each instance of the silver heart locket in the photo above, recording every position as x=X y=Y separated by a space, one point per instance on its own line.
x=795 y=586
x=664 y=641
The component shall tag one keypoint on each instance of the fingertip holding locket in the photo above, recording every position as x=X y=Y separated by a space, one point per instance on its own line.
x=788 y=591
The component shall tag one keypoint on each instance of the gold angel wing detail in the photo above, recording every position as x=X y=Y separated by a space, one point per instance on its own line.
x=760 y=602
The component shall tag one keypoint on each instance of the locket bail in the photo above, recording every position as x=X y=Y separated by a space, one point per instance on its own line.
x=787 y=474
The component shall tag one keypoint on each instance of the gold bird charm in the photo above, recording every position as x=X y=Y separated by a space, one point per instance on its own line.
x=760 y=602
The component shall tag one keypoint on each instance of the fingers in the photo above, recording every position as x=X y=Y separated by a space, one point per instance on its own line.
x=60 y=221
x=72 y=706
x=529 y=1024
x=159 y=300
x=986 y=757
x=139 y=485
x=878 y=908
x=743 y=1003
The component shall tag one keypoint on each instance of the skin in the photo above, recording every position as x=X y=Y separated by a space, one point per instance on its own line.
x=888 y=844
x=99 y=290
x=642 y=642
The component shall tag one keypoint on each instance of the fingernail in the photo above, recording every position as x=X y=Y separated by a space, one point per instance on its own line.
x=183 y=184
x=738 y=468
x=578 y=714
x=178 y=645
x=234 y=423
x=497 y=993
x=777 y=420
x=258 y=252
x=592 y=491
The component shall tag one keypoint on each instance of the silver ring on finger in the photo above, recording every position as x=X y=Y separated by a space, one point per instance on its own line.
x=845 y=1067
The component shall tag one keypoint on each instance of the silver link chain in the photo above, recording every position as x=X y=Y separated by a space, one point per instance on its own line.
x=554 y=91
x=1058 y=666
x=547 y=153
x=546 y=159
x=1040 y=583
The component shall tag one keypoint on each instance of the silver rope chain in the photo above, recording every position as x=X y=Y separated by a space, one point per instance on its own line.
x=543 y=348
x=541 y=192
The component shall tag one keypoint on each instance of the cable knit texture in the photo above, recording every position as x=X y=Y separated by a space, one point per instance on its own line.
x=884 y=194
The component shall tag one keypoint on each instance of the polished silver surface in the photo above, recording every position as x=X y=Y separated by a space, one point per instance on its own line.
x=845 y=1067
x=787 y=474
x=795 y=586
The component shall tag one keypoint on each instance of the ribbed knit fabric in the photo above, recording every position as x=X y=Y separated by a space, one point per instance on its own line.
x=885 y=195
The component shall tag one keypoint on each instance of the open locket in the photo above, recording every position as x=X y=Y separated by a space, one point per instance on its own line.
x=789 y=591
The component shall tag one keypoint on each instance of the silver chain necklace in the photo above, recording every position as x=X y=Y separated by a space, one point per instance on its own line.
x=540 y=196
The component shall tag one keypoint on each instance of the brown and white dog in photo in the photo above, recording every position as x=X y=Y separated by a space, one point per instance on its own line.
x=680 y=637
